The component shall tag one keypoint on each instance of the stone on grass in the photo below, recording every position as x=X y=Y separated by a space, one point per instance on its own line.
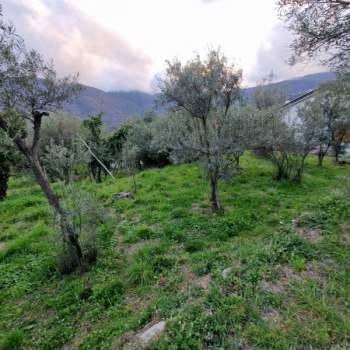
x=122 y=195
x=226 y=272
x=151 y=333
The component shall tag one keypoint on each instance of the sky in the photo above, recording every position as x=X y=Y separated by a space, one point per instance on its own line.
x=123 y=44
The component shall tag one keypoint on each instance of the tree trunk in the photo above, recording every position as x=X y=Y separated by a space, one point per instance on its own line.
x=300 y=170
x=4 y=177
x=337 y=154
x=237 y=159
x=214 y=196
x=320 y=158
x=69 y=235
x=213 y=172
x=134 y=185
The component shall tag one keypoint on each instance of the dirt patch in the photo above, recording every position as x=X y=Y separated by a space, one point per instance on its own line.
x=197 y=209
x=132 y=248
x=311 y=235
x=345 y=230
x=318 y=270
x=203 y=281
x=271 y=315
x=346 y=238
x=313 y=269
x=234 y=266
x=2 y=245
x=191 y=278
x=272 y=287
x=81 y=334
x=286 y=274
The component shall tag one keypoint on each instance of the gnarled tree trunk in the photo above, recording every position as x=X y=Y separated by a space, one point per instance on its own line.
x=4 y=177
x=214 y=194
x=69 y=236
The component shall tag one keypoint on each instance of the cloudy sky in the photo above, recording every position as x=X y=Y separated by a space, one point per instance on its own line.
x=123 y=44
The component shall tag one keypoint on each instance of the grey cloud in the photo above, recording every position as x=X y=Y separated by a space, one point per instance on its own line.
x=273 y=56
x=79 y=44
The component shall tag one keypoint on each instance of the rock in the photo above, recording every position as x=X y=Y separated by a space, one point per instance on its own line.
x=122 y=195
x=226 y=272
x=151 y=333
x=2 y=245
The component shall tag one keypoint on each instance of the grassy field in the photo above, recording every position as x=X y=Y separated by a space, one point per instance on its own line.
x=284 y=247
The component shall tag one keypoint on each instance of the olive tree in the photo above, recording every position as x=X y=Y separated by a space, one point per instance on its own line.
x=333 y=97
x=63 y=161
x=142 y=136
x=315 y=121
x=6 y=159
x=99 y=157
x=60 y=129
x=286 y=143
x=202 y=92
x=320 y=27
x=29 y=91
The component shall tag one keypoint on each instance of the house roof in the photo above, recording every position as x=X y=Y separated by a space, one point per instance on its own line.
x=299 y=98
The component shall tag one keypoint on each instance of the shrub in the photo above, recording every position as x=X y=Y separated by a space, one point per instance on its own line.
x=85 y=215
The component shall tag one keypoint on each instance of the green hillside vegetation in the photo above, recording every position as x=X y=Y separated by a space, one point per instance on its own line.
x=284 y=247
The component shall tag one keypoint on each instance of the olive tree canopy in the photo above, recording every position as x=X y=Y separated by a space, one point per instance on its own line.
x=202 y=93
x=320 y=27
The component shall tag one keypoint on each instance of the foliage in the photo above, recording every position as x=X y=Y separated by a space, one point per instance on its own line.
x=267 y=94
x=8 y=157
x=62 y=161
x=203 y=92
x=59 y=129
x=321 y=27
x=287 y=139
x=97 y=146
x=333 y=99
x=86 y=215
x=142 y=142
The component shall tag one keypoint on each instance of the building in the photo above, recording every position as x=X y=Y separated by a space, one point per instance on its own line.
x=291 y=112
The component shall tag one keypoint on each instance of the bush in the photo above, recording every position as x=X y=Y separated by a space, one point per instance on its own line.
x=86 y=215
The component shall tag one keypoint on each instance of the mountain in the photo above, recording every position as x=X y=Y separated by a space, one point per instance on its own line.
x=297 y=86
x=120 y=105
x=116 y=106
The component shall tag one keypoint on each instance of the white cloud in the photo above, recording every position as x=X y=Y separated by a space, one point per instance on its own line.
x=273 y=56
x=122 y=44
x=79 y=44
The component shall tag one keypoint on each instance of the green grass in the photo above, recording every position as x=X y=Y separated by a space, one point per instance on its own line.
x=282 y=292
